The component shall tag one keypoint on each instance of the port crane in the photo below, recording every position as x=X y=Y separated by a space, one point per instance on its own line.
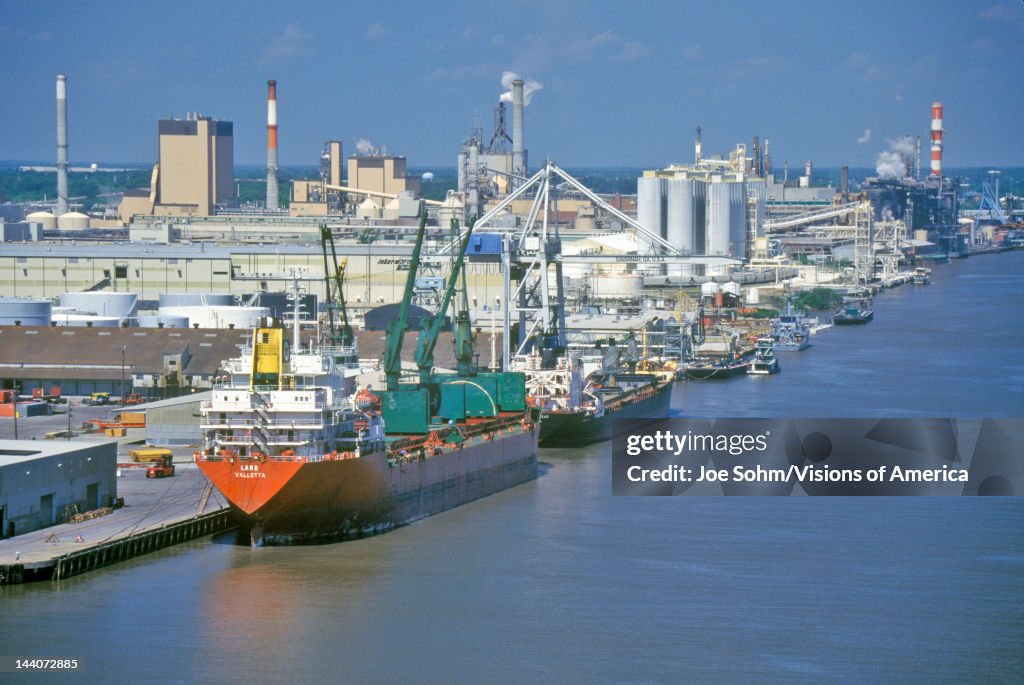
x=339 y=332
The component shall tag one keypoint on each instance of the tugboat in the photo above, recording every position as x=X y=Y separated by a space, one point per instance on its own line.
x=790 y=330
x=922 y=276
x=853 y=315
x=764 y=362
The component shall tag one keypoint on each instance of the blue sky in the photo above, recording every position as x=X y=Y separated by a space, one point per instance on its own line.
x=623 y=83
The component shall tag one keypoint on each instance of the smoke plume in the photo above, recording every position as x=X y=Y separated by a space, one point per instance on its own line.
x=864 y=138
x=529 y=87
x=364 y=146
x=893 y=162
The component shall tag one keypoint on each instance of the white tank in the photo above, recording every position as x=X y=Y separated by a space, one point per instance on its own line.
x=731 y=288
x=86 y=320
x=73 y=221
x=709 y=289
x=753 y=296
x=614 y=285
x=368 y=209
x=453 y=207
x=649 y=194
x=49 y=221
x=719 y=219
x=154 y=321
x=195 y=299
x=218 y=317
x=681 y=225
x=29 y=312
x=120 y=305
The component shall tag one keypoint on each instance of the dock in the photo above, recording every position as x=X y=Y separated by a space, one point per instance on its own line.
x=157 y=513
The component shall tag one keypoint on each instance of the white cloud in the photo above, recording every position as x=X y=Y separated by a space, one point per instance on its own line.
x=864 y=138
x=375 y=31
x=608 y=45
x=292 y=42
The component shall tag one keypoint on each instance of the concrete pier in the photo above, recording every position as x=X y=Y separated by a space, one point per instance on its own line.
x=157 y=513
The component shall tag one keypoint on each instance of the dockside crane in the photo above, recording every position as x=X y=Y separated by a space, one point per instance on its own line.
x=340 y=333
x=430 y=328
x=395 y=332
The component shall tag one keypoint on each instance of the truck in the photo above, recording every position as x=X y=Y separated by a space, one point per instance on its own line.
x=148 y=453
x=97 y=398
x=161 y=469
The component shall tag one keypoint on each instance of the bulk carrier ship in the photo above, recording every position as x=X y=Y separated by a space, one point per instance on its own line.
x=301 y=457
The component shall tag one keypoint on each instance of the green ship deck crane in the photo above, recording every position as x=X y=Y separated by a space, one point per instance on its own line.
x=334 y=278
x=430 y=328
x=396 y=329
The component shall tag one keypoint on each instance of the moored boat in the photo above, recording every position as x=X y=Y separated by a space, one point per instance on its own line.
x=852 y=315
x=763 y=362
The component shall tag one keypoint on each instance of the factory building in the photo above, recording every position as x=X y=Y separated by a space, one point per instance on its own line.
x=381 y=173
x=45 y=483
x=152 y=362
x=194 y=172
x=712 y=207
x=196 y=160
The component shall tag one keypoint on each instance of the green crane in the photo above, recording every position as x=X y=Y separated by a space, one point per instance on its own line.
x=334 y=278
x=430 y=328
x=396 y=329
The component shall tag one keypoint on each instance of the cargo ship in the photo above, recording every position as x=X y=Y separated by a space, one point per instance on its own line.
x=578 y=409
x=301 y=456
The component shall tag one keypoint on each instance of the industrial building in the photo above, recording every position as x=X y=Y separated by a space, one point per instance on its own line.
x=713 y=207
x=175 y=421
x=194 y=173
x=47 y=482
x=152 y=362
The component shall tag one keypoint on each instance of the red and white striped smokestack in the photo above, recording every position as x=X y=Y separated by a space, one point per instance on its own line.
x=272 y=192
x=936 y=165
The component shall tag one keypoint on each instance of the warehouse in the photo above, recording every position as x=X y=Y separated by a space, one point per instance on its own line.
x=44 y=483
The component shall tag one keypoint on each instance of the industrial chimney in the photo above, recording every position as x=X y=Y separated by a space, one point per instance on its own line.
x=767 y=157
x=62 y=145
x=518 y=149
x=936 y=139
x=272 y=193
x=696 y=147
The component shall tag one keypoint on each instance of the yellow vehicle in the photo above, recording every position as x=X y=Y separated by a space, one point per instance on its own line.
x=98 y=398
x=153 y=454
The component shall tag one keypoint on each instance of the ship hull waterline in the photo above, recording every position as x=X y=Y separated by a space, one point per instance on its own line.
x=573 y=429
x=290 y=502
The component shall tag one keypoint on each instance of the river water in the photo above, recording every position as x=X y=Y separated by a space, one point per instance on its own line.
x=558 y=581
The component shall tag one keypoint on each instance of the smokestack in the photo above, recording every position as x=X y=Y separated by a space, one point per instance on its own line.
x=518 y=150
x=272 y=192
x=62 y=145
x=808 y=170
x=936 y=165
x=917 y=159
x=844 y=179
x=696 y=147
x=758 y=170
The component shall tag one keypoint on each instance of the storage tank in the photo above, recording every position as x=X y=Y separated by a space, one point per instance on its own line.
x=453 y=207
x=650 y=199
x=120 y=305
x=154 y=321
x=67 y=318
x=617 y=285
x=709 y=289
x=731 y=288
x=28 y=311
x=49 y=221
x=194 y=299
x=753 y=296
x=73 y=221
x=726 y=220
x=685 y=207
x=368 y=209
x=218 y=317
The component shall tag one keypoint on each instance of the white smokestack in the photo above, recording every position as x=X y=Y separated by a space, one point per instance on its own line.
x=518 y=149
x=62 y=145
